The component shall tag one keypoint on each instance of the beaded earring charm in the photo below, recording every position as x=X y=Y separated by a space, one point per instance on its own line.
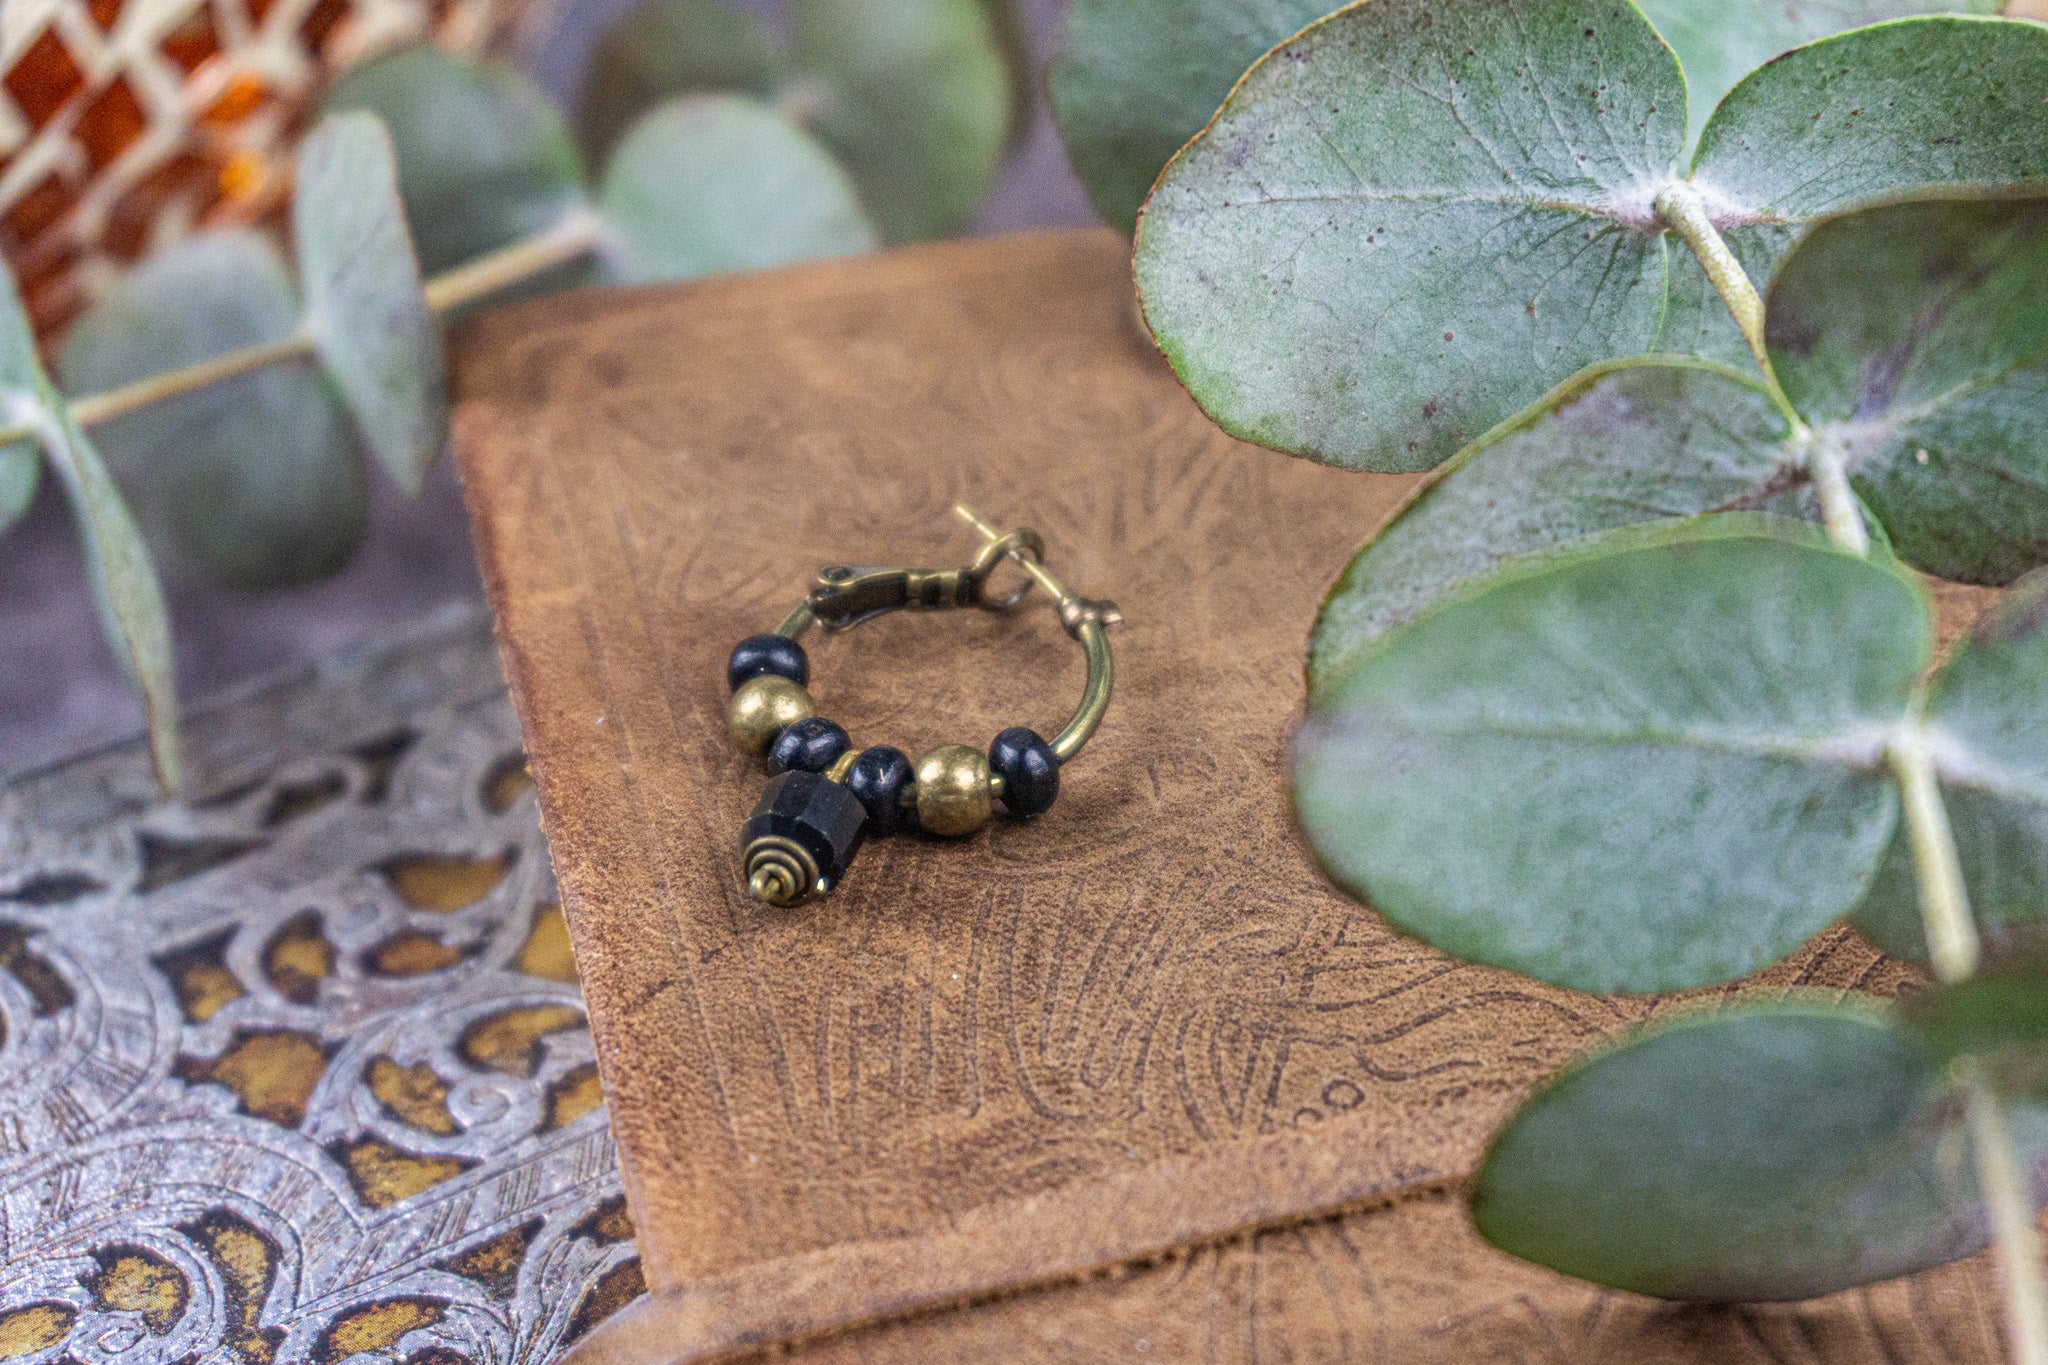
x=826 y=798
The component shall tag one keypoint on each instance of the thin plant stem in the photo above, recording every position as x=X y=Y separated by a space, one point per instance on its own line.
x=1954 y=947
x=575 y=236
x=105 y=407
x=2011 y=1206
x=1839 y=511
x=1681 y=209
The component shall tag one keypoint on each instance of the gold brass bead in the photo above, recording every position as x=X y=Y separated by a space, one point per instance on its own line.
x=763 y=708
x=953 y=790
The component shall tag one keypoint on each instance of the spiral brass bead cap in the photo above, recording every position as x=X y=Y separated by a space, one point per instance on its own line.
x=762 y=708
x=953 y=795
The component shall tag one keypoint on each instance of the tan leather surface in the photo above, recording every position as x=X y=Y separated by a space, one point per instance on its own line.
x=983 y=1071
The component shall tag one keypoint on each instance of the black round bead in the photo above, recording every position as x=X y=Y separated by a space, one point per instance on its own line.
x=809 y=746
x=880 y=777
x=1029 y=768
x=758 y=654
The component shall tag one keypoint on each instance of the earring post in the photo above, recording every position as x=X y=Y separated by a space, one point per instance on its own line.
x=1030 y=565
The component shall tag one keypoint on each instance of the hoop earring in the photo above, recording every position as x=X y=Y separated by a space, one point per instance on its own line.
x=826 y=799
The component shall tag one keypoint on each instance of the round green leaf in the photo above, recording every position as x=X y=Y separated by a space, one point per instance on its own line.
x=1988 y=707
x=1915 y=336
x=1766 y=1152
x=1410 y=221
x=1135 y=79
x=1916 y=107
x=712 y=183
x=2000 y=1013
x=913 y=96
x=256 y=480
x=1631 y=441
x=483 y=159
x=365 y=307
x=1718 y=44
x=1649 y=762
x=123 y=575
x=19 y=467
x=664 y=49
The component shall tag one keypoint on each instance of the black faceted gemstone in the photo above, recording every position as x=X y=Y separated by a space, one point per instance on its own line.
x=814 y=811
x=1029 y=768
x=880 y=777
x=758 y=654
x=809 y=746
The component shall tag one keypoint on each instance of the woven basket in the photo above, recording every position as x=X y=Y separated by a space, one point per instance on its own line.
x=125 y=124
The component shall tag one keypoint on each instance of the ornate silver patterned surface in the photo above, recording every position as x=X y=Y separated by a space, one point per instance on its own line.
x=296 y=1069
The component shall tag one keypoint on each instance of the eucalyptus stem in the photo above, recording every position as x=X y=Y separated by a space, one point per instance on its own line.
x=2010 y=1203
x=576 y=235
x=105 y=407
x=1954 y=947
x=1682 y=210
x=1952 y=941
x=1839 y=512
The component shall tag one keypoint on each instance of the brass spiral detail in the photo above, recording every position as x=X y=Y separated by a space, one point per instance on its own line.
x=780 y=871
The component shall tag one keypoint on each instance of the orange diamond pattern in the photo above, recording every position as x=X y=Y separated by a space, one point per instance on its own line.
x=126 y=124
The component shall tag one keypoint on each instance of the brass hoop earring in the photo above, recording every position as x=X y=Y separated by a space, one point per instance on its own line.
x=826 y=798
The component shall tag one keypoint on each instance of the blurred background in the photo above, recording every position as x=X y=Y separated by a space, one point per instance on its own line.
x=60 y=687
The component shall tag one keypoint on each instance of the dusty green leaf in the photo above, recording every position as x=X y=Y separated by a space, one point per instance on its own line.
x=913 y=96
x=712 y=183
x=483 y=159
x=1649 y=762
x=365 y=307
x=124 y=580
x=1135 y=79
x=1914 y=108
x=1008 y=27
x=1631 y=441
x=19 y=468
x=2000 y=1014
x=255 y=481
x=1915 y=338
x=1413 y=219
x=1720 y=43
x=663 y=49
x=1988 y=707
x=1761 y=1152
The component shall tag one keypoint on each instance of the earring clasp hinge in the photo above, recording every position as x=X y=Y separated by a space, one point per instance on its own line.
x=844 y=595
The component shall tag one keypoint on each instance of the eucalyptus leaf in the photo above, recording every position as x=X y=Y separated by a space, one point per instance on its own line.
x=255 y=481
x=1937 y=105
x=663 y=49
x=2000 y=1013
x=483 y=159
x=1639 y=440
x=1761 y=1152
x=1915 y=338
x=913 y=96
x=19 y=468
x=1720 y=43
x=1649 y=762
x=712 y=183
x=1013 y=41
x=365 y=306
x=1135 y=79
x=1988 y=709
x=1411 y=220
x=124 y=579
